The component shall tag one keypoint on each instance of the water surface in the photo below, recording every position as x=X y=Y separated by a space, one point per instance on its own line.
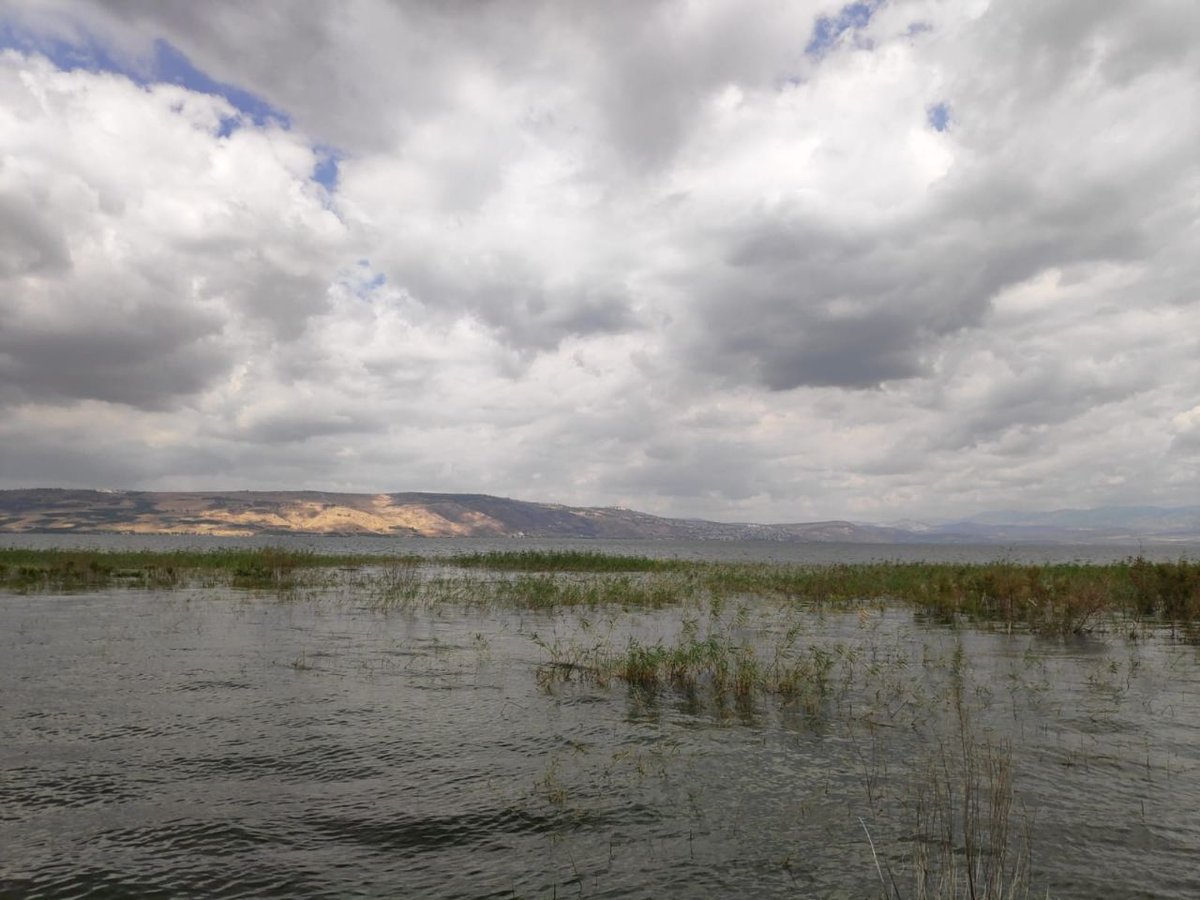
x=217 y=743
x=722 y=551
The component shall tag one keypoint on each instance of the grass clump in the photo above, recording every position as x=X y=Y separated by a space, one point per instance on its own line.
x=1169 y=590
x=714 y=660
x=267 y=567
x=1058 y=599
x=967 y=844
x=723 y=668
x=68 y=571
x=1061 y=599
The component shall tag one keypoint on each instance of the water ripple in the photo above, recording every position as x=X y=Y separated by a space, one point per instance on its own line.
x=259 y=749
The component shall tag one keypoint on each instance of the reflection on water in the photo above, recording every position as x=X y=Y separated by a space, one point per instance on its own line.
x=221 y=744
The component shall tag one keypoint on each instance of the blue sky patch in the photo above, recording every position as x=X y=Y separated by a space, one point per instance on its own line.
x=87 y=54
x=229 y=124
x=828 y=29
x=170 y=65
x=364 y=282
x=938 y=116
x=166 y=65
x=325 y=172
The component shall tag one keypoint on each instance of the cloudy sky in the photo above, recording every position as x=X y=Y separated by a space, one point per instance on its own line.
x=739 y=259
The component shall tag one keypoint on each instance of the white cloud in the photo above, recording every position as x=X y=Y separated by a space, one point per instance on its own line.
x=654 y=255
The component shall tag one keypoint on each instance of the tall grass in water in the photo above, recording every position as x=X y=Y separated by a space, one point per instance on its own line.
x=706 y=663
x=963 y=815
x=723 y=667
x=77 y=571
x=1047 y=599
x=965 y=843
x=1056 y=599
x=969 y=839
x=91 y=569
x=548 y=591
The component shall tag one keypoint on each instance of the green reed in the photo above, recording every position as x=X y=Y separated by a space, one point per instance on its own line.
x=94 y=569
x=1055 y=599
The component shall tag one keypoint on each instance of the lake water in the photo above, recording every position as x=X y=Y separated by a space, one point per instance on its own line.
x=728 y=551
x=209 y=742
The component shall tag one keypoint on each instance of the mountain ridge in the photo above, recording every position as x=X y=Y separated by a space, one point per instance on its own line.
x=434 y=514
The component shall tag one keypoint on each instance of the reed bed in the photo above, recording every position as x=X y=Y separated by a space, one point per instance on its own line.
x=1056 y=599
x=565 y=561
x=95 y=569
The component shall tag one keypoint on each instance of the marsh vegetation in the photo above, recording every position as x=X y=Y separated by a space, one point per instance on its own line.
x=1056 y=599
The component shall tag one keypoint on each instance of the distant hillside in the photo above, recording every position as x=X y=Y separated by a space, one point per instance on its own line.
x=1136 y=519
x=238 y=513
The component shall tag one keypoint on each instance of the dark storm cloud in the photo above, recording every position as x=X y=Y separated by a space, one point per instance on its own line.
x=145 y=356
x=511 y=296
x=107 y=457
x=1048 y=392
x=791 y=309
x=534 y=318
x=800 y=300
x=33 y=458
x=298 y=425
x=719 y=469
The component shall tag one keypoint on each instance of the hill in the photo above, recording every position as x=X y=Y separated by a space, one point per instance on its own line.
x=239 y=513
x=236 y=513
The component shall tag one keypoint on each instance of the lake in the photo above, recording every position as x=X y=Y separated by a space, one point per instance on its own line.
x=756 y=551
x=361 y=736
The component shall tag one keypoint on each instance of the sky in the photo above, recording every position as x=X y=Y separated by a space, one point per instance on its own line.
x=744 y=260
